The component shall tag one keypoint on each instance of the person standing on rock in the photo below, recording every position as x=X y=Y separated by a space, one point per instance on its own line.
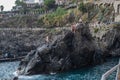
x=73 y=27
x=47 y=39
x=79 y=22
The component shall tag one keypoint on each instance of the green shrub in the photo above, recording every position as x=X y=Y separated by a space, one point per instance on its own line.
x=56 y=18
x=60 y=17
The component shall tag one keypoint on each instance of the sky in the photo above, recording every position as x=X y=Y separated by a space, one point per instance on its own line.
x=7 y=4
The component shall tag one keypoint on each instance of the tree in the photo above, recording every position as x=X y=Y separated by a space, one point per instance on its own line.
x=49 y=3
x=22 y=4
x=2 y=8
x=18 y=2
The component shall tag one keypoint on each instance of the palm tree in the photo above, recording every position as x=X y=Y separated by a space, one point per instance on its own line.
x=2 y=8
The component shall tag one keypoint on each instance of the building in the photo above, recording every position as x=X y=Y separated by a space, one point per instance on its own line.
x=6 y=14
x=16 y=8
x=33 y=3
x=29 y=1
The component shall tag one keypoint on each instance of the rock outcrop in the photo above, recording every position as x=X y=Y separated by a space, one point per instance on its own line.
x=20 y=42
x=111 y=42
x=68 y=51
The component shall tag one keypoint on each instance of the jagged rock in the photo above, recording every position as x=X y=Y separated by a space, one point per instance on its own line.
x=111 y=42
x=69 y=51
x=21 y=42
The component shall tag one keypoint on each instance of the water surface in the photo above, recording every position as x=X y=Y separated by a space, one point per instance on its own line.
x=91 y=73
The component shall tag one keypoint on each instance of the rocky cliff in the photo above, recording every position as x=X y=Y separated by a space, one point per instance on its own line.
x=20 y=42
x=68 y=51
x=111 y=41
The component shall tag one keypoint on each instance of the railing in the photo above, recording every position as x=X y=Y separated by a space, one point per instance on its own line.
x=32 y=29
x=28 y=13
x=115 y=68
x=118 y=72
x=11 y=59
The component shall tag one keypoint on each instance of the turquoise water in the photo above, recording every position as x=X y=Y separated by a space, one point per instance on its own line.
x=91 y=73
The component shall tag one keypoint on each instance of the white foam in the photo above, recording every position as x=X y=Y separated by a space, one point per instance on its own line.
x=15 y=73
x=22 y=76
x=52 y=73
x=25 y=77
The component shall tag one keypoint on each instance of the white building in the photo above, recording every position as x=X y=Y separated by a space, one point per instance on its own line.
x=39 y=1
x=33 y=3
x=29 y=1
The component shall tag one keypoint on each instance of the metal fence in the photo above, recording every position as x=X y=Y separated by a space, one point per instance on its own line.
x=108 y=73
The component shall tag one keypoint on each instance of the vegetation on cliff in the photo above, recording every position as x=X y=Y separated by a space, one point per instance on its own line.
x=62 y=17
x=88 y=12
x=101 y=13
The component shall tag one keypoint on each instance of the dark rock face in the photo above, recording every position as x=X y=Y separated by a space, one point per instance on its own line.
x=69 y=51
x=111 y=42
x=21 y=42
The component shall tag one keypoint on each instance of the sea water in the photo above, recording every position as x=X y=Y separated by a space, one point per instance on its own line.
x=88 y=73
